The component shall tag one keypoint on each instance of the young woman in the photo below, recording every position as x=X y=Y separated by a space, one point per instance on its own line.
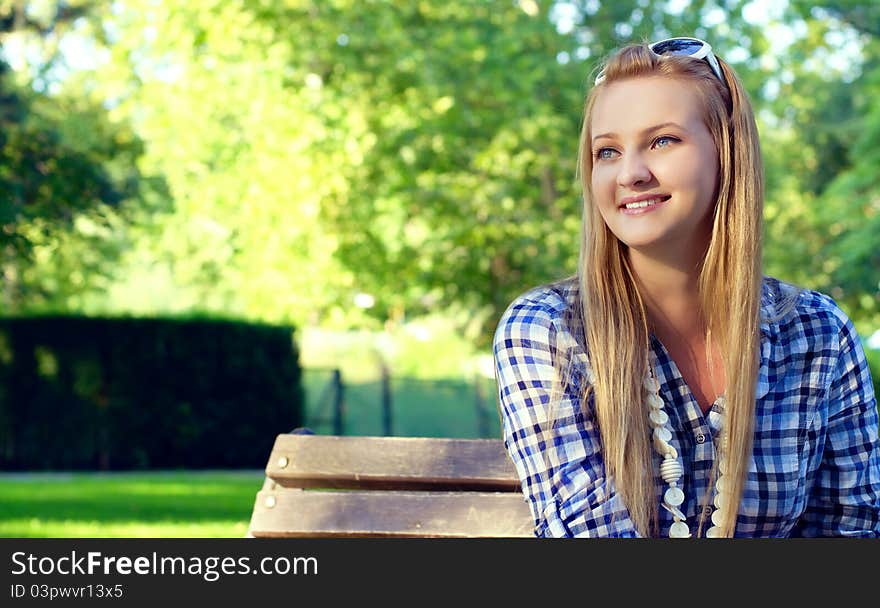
x=669 y=388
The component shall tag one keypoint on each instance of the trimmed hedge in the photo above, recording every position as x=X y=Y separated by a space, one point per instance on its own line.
x=98 y=393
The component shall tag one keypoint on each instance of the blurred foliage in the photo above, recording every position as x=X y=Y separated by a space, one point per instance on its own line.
x=65 y=173
x=278 y=157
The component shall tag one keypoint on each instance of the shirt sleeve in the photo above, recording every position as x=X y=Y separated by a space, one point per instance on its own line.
x=845 y=498
x=554 y=449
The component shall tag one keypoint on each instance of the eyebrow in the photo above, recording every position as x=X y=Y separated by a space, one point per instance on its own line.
x=644 y=131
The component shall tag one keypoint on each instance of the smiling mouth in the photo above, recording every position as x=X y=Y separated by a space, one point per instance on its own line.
x=646 y=203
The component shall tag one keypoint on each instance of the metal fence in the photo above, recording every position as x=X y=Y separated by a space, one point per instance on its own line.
x=399 y=406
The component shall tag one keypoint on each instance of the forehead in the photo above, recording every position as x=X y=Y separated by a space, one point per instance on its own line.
x=631 y=105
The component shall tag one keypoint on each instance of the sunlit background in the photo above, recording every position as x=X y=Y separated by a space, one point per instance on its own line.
x=379 y=178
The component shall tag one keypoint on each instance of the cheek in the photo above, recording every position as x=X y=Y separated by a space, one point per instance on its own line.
x=602 y=195
x=602 y=185
x=710 y=186
x=711 y=173
x=701 y=182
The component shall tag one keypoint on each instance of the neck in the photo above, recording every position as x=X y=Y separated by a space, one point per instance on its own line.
x=670 y=290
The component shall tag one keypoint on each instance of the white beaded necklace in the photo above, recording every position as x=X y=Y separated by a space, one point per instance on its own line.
x=671 y=469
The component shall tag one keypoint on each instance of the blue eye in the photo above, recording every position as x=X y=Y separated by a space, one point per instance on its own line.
x=665 y=138
x=604 y=153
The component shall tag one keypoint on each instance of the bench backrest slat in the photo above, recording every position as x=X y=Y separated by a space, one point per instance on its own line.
x=310 y=461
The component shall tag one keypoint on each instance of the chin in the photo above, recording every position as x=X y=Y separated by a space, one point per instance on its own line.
x=642 y=241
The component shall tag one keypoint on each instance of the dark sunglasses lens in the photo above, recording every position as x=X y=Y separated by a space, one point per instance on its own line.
x=677 y=47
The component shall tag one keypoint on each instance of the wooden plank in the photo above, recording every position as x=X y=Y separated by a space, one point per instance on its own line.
x=310 y=513
x=268 y=486
x=388 y=463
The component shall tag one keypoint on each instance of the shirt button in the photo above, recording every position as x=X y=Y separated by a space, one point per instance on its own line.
x=707 y=510
x=701 y=438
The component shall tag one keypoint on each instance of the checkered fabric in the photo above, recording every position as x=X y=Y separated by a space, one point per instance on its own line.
x=816 y=457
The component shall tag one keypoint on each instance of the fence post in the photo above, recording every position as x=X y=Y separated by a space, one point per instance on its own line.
x=338 y=402
x=386 y=400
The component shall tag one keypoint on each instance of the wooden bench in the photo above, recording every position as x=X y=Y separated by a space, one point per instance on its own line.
x=329 y=486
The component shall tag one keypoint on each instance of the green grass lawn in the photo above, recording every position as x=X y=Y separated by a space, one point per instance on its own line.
x=181 y=504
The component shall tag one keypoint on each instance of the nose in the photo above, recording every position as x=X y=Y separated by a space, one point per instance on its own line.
x=633 y=170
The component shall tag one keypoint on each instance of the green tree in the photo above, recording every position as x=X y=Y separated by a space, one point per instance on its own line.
x=63 y=166
x=822 y=209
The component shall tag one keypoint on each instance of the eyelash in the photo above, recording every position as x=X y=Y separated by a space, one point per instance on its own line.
x=597 y=153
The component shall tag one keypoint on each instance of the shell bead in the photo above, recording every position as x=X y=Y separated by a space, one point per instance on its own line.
x=718 y=517
x=663 y=448
x=676 y=512
x=655 y=401
x=671 y=470
x=719 y=501
x=660 y=446
x=673 y=497
x=714 y=532
x=651 y=384
x=663 y=434
x=658 y=417
x=679 y=529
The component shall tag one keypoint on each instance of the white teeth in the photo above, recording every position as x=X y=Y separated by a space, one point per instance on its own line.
x=641 y=204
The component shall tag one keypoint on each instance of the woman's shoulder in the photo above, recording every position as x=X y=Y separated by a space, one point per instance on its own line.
x=798 y=311
x=549 y=301
x=538 y=310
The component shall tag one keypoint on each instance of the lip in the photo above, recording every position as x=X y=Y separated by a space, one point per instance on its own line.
x=642 y=197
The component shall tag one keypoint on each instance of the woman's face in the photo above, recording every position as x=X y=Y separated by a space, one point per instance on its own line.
x=655 y=166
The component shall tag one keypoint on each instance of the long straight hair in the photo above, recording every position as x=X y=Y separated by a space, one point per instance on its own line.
x=612 y=314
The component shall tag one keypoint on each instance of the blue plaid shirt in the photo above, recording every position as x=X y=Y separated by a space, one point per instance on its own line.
x=816 y=457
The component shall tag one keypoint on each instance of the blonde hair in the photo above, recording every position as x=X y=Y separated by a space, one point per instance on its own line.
x=612 y=314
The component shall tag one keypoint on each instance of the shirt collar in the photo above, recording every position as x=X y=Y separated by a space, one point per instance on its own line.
x=769 y=332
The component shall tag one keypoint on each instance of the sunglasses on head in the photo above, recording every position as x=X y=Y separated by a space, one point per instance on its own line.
x=683 y=47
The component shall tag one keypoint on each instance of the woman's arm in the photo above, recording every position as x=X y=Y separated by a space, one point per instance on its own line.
x=554 y=446
x=845 y=497
x=523 y=349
